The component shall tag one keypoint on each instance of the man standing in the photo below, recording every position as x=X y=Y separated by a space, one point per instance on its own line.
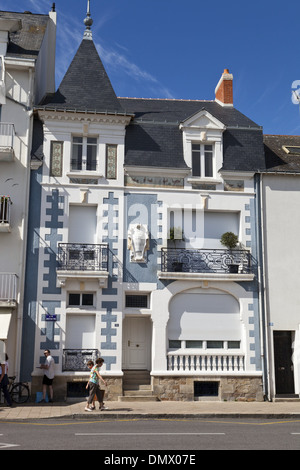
x=48 y=375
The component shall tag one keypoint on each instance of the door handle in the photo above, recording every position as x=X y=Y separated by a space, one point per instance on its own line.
x=137 y=345
x=128 y=343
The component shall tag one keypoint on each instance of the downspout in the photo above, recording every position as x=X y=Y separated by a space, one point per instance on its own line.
x=262 y=286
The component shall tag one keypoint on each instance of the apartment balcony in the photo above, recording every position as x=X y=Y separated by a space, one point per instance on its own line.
x=7 y=135
x=75 y=360
x=5 y=203
x=8 y=290
x=82 y=261
x=206 y=264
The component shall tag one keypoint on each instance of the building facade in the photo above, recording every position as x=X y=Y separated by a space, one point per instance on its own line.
x=129 y=199
x=279 y=195
x=26 y=74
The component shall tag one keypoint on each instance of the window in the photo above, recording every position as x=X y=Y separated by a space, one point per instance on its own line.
x=293 y=150
x=202 y=160
x=199 y=344
x=5 y=204
x=81 y=300
x=137 y=301
x=84 y=154
x=190 y=344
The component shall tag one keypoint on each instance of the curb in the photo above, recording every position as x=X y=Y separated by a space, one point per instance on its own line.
x=120 y=416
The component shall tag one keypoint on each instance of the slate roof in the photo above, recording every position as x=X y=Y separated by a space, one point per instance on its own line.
x=26 y=42
x=154 y=139
x=277 y=159
x=85 y=86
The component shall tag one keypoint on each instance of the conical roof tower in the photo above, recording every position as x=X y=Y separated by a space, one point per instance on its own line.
x=86 y=85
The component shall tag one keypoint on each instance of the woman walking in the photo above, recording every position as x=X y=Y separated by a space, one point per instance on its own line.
x=93 y=384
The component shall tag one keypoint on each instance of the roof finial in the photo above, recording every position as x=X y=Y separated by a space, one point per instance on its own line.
x=88 y=23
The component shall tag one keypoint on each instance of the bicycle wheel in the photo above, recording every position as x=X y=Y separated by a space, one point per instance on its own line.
x=19 y=393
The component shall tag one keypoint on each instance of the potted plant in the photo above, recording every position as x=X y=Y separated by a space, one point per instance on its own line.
x=175 y=234
x=230 y=240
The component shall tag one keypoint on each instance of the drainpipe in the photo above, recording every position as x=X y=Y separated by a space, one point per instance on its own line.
x=262 y=286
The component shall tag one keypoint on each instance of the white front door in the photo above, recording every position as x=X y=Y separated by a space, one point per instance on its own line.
x=137 y=343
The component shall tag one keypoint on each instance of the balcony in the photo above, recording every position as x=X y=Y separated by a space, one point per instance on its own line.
x=7 y=134
x=5 y=203
x=82 y=261
x=206 y=264
x=75 y=360
x=8 y=290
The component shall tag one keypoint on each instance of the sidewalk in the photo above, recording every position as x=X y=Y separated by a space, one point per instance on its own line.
x=164 y=409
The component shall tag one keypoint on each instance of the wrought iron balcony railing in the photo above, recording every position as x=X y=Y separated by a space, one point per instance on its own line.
x=82 y=257
x=206 y=261
x=76 y=359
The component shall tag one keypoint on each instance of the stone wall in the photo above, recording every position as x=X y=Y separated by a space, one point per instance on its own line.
x=60 y=386
x=229 y=388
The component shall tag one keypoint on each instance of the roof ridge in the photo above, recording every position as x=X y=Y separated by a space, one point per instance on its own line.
x=164 y=99
x=282 y=135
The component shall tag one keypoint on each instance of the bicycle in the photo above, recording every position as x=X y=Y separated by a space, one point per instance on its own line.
x=18 y=391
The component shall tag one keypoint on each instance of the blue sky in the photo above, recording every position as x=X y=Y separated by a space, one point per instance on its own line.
x=178 y=49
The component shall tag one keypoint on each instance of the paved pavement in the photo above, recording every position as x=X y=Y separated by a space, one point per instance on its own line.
x=159 y=409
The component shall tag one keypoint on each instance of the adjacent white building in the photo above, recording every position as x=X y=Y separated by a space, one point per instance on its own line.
x=27 y=51
x=280 y=203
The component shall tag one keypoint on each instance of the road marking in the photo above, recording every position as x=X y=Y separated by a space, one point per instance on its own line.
x=4 y=445
x=150 y=434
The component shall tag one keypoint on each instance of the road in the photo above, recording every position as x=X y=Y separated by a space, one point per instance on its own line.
x=177 y=437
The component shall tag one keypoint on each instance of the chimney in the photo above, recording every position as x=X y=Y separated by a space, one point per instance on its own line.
x=223 y=91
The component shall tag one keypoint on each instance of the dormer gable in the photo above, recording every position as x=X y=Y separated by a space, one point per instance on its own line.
x=202 y=120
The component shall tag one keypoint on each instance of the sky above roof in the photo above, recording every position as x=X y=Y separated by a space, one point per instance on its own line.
x=178 y=50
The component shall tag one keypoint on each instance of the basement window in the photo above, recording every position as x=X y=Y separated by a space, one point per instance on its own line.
x=206 y=389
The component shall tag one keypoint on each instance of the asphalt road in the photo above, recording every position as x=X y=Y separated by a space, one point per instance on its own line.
x=182 y=439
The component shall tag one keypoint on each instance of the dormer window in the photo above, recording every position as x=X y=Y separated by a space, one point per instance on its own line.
x=84 y=154
x=202 y=160
x=202 y=136
x=292 y=150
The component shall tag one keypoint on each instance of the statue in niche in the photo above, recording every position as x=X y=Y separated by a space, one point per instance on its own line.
x=138 y=242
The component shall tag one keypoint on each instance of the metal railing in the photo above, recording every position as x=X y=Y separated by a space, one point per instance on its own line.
x=5 y=203
x=7 y=134
x=205 y=260
x=76 y=359
x=84 y=165
x=82 y=257
x=8 y=287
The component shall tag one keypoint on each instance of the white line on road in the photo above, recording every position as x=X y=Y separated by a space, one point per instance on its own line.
x=150 y=433
x=3 y=445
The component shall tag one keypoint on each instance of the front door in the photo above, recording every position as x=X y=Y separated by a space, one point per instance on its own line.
x=137 y=343
x=284 y=375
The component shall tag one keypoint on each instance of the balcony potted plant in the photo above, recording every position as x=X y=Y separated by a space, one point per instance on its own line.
x=230 y=240
x=176 y=234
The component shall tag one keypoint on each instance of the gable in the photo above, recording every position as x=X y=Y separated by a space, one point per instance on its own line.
x=202 y=120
